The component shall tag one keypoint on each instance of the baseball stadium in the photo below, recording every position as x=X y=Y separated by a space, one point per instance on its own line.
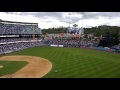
x=26 y=53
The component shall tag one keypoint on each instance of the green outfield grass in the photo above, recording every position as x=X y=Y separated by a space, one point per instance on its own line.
x=10 y=67
x=76 y=62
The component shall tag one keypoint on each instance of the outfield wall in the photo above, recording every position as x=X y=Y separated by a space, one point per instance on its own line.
x=89 y=47
x=53 y=45
x=99 y=48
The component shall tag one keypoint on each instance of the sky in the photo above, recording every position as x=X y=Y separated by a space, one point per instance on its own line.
x=57 y=19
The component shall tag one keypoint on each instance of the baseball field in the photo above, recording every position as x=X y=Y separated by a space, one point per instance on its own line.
x=56 y=62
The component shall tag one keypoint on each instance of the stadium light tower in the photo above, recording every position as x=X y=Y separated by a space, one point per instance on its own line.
x=12 y=15
x=82 y=21
x=7 y=15
x=69 y=21
x=33 y=32
x=69 y=17
x=72 y=13
x=20 y=16
x=16 y=16
x=78 y=13
x=16 y=13
x=82 y=18
x=81 y=13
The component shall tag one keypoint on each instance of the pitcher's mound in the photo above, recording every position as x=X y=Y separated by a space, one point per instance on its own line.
x=1 y=66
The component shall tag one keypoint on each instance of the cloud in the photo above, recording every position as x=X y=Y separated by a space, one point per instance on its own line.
x=50 y=19
x=95 y=15
x=64 y=17
x=60 y=16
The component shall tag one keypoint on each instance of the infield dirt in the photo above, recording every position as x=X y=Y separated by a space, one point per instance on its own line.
x=36 y=68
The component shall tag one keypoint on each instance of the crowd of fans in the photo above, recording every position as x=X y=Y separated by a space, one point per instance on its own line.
x=79 y=43
x=18 y=29
x=116 y=47
x=5 y=40
x=11 y=47
x=12 y=44
x=74 y=43
x=19 y=44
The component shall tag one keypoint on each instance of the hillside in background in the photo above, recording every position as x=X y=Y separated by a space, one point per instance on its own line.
x=97 y=31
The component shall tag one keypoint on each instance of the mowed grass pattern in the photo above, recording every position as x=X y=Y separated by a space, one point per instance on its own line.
x=77 y=62
x=10 y=67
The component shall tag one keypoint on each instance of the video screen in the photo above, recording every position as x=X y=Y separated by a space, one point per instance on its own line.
x=75 y=30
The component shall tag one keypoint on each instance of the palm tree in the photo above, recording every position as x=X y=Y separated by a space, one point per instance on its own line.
x=75 y=25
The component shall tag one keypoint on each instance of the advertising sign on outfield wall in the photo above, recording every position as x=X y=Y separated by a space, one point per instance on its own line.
x=53 y=45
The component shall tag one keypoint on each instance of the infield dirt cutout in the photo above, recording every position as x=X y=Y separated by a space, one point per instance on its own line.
x=37 y=67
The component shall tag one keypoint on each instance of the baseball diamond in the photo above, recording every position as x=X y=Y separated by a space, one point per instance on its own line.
x=27 y=51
